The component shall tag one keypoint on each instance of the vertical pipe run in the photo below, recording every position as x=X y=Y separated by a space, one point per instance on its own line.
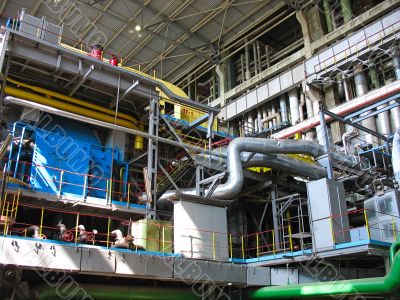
x=395 y=112
x=383 y=122
x=294 y=106
x=347 y=10
x=247 y=56
x=361 y=87
x=259 y=118
x=348 y=95
x=273 y=111
x=328 y=16
x=283 y=108
x=259 y=57
x=255 y=59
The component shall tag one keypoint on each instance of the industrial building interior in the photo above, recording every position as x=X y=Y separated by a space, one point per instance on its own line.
x=180 y=149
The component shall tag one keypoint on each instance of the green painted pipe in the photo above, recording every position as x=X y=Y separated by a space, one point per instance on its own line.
x=328 y=16
x=381 y=285
x=347 y=11
x=112 y=292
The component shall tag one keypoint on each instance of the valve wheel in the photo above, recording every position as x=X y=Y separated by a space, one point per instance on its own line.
x=68 y=236
x=89 y=236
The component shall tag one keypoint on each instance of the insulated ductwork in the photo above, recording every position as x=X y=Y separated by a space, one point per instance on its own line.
x=233 y=186
x=274 y=161
x=396 y=155
x=294 y=106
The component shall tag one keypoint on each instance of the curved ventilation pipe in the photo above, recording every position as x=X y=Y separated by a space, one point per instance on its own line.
x=294 y=106
x=396 y=155
x=275 y=161
x=361 y=87
x=347 y=136
x=369 y=286
x=233 y=186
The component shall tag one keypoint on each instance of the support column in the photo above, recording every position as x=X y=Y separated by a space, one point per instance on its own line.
x=300 y=15
x=247 y=58
x=152 y=158
x=274 y=196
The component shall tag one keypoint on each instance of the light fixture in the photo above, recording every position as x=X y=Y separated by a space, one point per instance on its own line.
x=138 y=27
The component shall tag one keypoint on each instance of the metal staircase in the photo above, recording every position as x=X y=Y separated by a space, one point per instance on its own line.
x=4 y=146
x=179 y=169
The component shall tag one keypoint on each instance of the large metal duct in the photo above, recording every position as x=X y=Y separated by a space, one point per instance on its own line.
x=275 y=161
x=233 y=186
x=361 y=87
x=294 y=106
x=396 y=155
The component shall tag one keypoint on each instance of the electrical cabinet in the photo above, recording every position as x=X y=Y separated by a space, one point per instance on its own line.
x=383 y=216
x=328 y=213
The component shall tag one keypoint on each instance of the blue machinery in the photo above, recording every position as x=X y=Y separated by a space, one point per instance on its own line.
x=66 y=159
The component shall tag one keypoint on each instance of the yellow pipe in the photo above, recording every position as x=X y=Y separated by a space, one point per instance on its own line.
x=12 y=91
x=41 y=223
x=139 y=141
x=76 y=228
x=74 y=101
x=367 y=224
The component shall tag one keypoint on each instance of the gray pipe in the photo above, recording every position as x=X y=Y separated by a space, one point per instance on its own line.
x=361 y=87
x=255 y=59
x=396 y=63
x=347 y=136
x=301 y=106
x=269 y=113
x=348 y=94
x=395 y=112
x=294 y=106
x=283 y=108
x=396 y=155
x=233 y=186
x=275 y=161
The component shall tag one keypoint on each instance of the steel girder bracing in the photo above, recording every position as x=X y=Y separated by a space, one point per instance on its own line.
x=152 y=157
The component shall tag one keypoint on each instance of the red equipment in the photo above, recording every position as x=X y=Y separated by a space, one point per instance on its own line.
x=114 y=61
x=96 y=52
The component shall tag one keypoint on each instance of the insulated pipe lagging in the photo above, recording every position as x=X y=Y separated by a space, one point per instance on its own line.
x=396 y=155
x=283 y=108
x=275 y=161
x=368 y=286
x=233 y=186
x=294 y=106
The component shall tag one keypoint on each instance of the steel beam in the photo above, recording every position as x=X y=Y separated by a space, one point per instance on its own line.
x=358 y=126
x=125 y=94
x=82 y=80
x=169 y=177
